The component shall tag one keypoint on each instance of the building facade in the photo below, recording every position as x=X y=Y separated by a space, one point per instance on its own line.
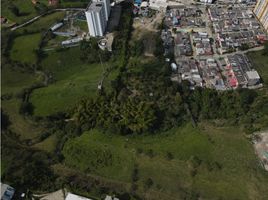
x=261 y=12
x=95 y=14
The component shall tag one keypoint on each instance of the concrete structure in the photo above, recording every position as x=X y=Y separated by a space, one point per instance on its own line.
x=71 y=196
x=95 y=14
x=160 y=5
x=253 y=77
x=7 y=192
x=71 y=41
x=261 y=11
x=56 y=26
x=206 y=1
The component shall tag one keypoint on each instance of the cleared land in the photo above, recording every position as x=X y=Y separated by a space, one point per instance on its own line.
x=213 y=162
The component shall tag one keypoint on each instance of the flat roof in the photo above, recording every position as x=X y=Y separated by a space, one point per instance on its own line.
x=71 y=196
x=253 y=74
x=95 y=6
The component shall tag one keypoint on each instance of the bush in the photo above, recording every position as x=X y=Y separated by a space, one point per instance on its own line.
x=148 y=183
x=4 y=120
x=150 y=153
x=26 y=108
x=169 y=156
x=134 y=175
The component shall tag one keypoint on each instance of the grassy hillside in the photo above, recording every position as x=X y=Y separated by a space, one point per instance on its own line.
x=24 y=48
x=73 y=80
x=215 y=163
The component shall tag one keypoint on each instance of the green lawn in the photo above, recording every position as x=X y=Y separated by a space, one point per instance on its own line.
x=24 y=47
x=228 y=169
x=73 y=80
x=260 y=63
x=44 y=23
x=26 y=9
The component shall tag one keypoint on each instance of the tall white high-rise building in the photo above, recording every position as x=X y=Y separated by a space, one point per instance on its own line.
x=107 y=7
x=261 y=11
x=96 y=20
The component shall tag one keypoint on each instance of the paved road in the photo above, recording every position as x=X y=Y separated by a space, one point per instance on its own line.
x=39 y=16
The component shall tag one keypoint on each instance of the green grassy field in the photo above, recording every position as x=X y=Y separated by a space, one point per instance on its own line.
x=73 y=80
x=43 y=23
x=26 y=9
x=228 y=167
x=24 y=48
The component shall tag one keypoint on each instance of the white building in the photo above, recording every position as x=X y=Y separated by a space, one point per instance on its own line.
x=71 y=196
x=107 y=7
x=96 y=21
x=206 y=1
x=160 y=5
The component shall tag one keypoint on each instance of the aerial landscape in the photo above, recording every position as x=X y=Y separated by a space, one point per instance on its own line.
x=134 y=99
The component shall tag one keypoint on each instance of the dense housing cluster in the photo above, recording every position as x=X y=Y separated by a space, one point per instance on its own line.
x=209 y=44
x=235 y=27
x=182 y=16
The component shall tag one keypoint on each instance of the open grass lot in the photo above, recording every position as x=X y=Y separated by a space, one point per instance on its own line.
x=73 y=80
x=24 y=47
x=227 y=166
x=260 y=63
x=44 y=23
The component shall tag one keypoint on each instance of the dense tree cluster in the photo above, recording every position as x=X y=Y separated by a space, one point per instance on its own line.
x=91 y=53
x=29 y=169
x=142 y=101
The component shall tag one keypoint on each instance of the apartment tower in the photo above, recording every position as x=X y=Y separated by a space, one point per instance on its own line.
x=107 y=7
x=261 y=11
x=95 y=14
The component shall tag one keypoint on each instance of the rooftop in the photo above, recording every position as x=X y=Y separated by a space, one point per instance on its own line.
x=71 y=196
x=95 y=6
